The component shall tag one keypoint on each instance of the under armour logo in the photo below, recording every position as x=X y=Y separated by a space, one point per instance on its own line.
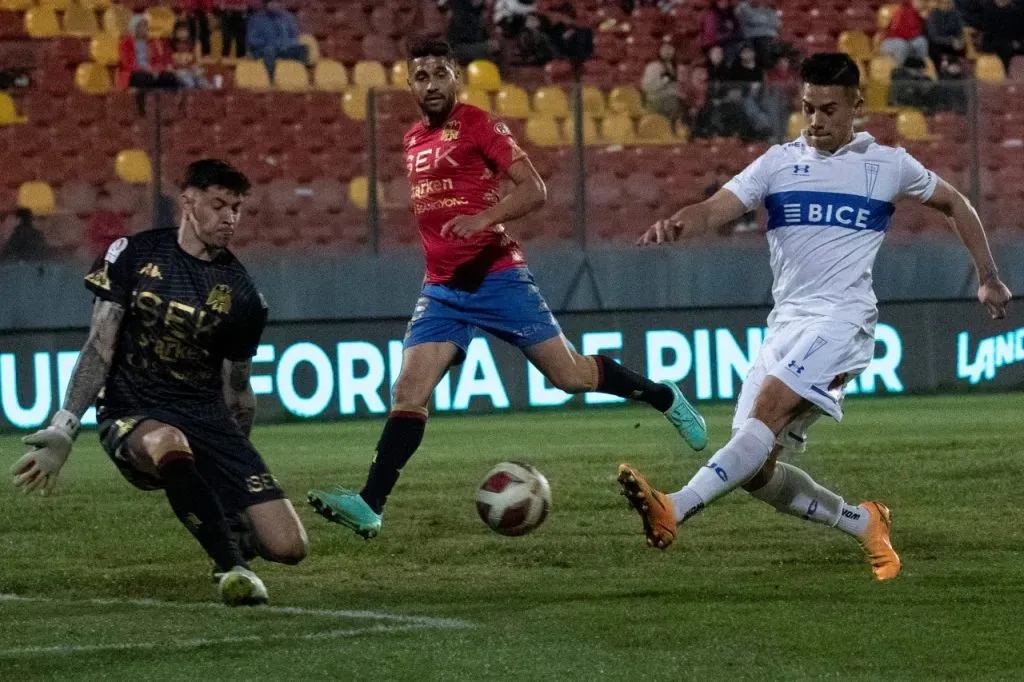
x=795 y=368
x=804 y=169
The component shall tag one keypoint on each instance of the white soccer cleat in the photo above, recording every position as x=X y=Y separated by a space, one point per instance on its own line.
x=241 y=587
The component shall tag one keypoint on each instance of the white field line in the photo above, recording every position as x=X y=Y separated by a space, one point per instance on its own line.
x=399 y=623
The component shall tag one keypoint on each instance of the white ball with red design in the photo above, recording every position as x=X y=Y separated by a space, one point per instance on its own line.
x=514 y=498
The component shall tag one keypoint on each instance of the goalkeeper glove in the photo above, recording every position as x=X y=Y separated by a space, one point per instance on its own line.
x=39 y=467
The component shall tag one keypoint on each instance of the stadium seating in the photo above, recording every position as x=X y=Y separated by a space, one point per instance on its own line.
x=590 y=132
x=618 y=129
x=543 y=131
x=476 y=97
x=37 y=197
x=103 y=49
x=41 y=22
x=8 y=114
x=483 y=75
x=353 y=103
x=911 y=125
x=291 y=76
x=550 y=101
x=400 y=75
x=251 y=74
x=989 y=69
x=133 y=165
x=80 y=21
x=116 y=19
x=93 y=79
x=512 y=102
x=161 y=21
x=369 y=74
x=626 y=100
x=312 y=46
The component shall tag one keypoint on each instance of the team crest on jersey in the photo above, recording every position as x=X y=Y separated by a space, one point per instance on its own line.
x=99 y=278
x=501 y=129
x=870 y=177
x=451 y=130
x=115 y=249
x=219 y=299
x=151 y=270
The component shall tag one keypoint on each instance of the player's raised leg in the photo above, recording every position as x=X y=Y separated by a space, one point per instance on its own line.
x=574 y=373
x=163 y=452
x=423 y=365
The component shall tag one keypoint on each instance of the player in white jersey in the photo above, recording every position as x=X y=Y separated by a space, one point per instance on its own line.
x=829 y=196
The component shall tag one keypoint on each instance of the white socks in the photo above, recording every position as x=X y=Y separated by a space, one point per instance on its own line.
x=792 y=491
x=742 y=457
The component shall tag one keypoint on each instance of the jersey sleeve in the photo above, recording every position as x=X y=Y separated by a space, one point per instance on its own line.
x=751 y=185
x=246 y=337
x=110 y=277
x=916 y=181
x=497 y=144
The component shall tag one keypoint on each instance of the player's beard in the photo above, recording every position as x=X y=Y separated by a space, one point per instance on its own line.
x=438 y=116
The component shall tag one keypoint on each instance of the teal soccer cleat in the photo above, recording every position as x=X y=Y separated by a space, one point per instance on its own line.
x=347 y=508
x=686 y=419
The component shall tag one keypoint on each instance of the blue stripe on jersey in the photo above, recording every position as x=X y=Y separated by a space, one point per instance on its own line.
x=827 y=209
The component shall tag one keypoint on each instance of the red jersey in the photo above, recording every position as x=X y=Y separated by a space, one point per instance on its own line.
x=455 y=169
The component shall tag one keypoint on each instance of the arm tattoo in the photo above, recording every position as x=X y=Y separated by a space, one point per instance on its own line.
x=238 y=393
x=94 y=361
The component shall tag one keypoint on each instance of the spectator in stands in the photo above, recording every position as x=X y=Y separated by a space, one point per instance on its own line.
x=945 y=30
x=660 y=84
x=694 y=95
x=905 y=34
x=21 y=239
x=749 y=77
x=197 y=13
x=510 y=16
x=571 y=39
x=782 y=91
x=720 y=28
x=467 y=31
x=272 y=34
x=912 y=86
x=760 y=28
x=1002 y=29
x=105 y=225
x=144 y=63
x=533 y=45
x=722 y=114
x=190 y=73
x=951 y=91
x=971 y=11
x=233 y=15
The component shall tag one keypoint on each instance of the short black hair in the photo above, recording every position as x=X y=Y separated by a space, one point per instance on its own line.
x=206 y=173
x=830 y=68
x=429 y=47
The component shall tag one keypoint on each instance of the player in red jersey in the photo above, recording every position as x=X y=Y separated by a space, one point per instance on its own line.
x=476 y=279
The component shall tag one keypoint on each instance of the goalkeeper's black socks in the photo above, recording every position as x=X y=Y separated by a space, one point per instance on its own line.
x=617 y=380
x=402 y=435
x=197 y=507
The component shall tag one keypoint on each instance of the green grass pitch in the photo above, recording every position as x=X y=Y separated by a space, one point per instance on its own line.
x=746 y=593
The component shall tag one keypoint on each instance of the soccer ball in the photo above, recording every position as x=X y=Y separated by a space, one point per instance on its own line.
x=513 y=499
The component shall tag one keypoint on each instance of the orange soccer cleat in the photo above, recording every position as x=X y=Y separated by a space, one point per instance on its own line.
x=654 y=507
x=885 y=563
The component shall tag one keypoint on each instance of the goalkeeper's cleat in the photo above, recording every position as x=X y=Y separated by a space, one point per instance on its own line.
x=347 y=508
x=686 y=419
x=655 y=508
x=241 y=587
x=885 y=563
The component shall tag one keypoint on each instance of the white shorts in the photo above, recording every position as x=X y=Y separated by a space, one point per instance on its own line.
x=816 y=358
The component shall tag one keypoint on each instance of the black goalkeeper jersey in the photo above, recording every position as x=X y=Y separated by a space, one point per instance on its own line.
x=184 y=317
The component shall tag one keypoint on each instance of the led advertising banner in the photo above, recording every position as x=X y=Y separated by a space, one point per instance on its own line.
x=336 y=370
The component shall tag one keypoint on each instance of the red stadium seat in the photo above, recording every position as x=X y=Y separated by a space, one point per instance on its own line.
x=380 y=48
x=322 y=107
x=644 y=188
x=207 y=106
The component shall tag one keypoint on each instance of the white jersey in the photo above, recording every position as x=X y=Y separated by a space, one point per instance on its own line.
x=827 y=216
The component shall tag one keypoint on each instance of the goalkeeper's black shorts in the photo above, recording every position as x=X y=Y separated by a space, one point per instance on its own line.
x=224 y=457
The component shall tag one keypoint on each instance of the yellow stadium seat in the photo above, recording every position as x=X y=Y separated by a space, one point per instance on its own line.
x=132 y=165
x=593 y=101
x=312 y=45
x=551 y=101
x=370 y=75
x=884 y=16
x=291 y=76
x=483 y=75
x=359 y=192
x=478 y=98
x=103 y=49
x=795 y=127
x=57 y=5
x=856 y=44
x=116 y=19
x=400 y=75
x=911 y=125
x=93 y=79
x=251 y=74
x=880 y=69
x=16 y=5
x=970 y=34
x=37 y=197
x=161 y=22
x=8 y=113
x=80 y=21
x=97 y=4
x=512 y=102
x=876 y=97
x=655 y=129
x=590 y=134
x=626 y=100
x=330 y=75
x=618 y=129
x=543 y=131
x=989 y=69
x=353 y=103
x=41 y=22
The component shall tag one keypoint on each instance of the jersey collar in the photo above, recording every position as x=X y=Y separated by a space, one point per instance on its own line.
x=860 y=142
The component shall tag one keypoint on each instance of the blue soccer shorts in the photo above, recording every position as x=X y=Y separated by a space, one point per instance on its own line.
x=507 y=304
